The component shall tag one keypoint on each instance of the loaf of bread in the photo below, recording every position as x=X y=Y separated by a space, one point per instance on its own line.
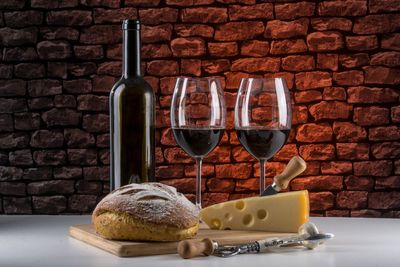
x=148 y=211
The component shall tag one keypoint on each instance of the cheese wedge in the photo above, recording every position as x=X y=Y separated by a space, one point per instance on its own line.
x=283 y=212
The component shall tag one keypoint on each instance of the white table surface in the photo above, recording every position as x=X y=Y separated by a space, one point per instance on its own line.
x=43 y=241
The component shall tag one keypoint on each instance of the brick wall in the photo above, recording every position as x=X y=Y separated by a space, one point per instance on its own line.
x=341 y=59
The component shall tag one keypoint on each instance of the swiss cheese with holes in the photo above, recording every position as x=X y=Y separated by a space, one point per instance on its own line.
x=283 y=212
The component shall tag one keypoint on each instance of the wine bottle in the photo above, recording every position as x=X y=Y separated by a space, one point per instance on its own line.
x=132 y=117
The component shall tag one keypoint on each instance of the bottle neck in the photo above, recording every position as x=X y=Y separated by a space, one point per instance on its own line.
x=131 y=53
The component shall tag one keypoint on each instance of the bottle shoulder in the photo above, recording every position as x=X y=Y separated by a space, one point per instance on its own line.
x=132 y=85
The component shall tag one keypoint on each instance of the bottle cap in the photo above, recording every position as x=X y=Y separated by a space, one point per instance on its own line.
x=131 y=24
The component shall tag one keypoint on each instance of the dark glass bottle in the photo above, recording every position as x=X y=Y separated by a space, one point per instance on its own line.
x=132 y=117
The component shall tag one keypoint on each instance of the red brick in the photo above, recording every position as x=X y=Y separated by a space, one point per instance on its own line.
x=18 y=4
x=378 y=6
x=113 y=68
x=361 y=43
x=214 y=198
x=142 y=2
x=255 y=48
x=221 y=185
x=177 y=155
x=188 y=2
x=316 y=183
x=352 y=199
x=334 y=93
x=308 y=96
x=384 y=133
x=298 y=63
x=188 y=47
x=96 y=123
x=19 y=54
x=363 y=94
x=336 y=167
x=271 y=168
x=258 y=11
x=321 y=201
x=343 y=8
x=54 y=50
x=221 y=154
x=162 y=67
x=317 y=152
x=294 y=10
x=326 y=24
x=330 y=110
x=348 y=132
x=389 y=59
x=391 y=41
x=256 y=64
x=215 y=66
x=327 y=61
x=70 y=18
x=251 y=184
x=191 y=66
x=187 y=30
x=101 y=34
x=158 y=15
x=324 y=41
x=395 y=114
x=381 y=75
x=103 y=16
x=47 y=139
x=354 y=60
x=241 y=155
x=352 y=151
x=387 y=150
x=82 y=69
x=170 y=171
x=351 y=77
x=368 y=116
x=204 y=15
x=311 y=80
x=234 y=31
x=156 y=51
x=286 y=153
x=288 y=76
x=235 y=171
x=337 y=213
x=207 y=170
x=223 y=49
x=290 y=46
x=384 y=200
x=373 y=24
x=153 y=34
x=277 y=29
x=82 y=156
x=359 y=183
x=300 y=115
x=311 y=133
x=373 y=168
x=391 y=182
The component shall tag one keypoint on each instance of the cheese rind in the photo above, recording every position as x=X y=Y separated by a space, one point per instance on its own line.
x=283 y=212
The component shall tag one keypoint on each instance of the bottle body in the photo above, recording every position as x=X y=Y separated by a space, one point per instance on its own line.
x=132 y=121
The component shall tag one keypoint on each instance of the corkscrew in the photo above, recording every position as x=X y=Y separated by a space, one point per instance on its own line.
x=308 y=236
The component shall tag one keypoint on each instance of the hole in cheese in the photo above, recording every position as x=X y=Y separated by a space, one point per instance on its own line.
x=248 y=219
x=240 y=205
x=261 y=214
x=216 y=224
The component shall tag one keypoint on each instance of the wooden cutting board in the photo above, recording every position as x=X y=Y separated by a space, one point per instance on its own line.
x=86 y=233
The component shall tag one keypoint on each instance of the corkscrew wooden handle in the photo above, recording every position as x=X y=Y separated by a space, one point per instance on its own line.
x=295 y=166
x=191 y=248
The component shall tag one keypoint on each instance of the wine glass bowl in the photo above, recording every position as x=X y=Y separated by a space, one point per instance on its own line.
x=198 y=119
x=263 y=118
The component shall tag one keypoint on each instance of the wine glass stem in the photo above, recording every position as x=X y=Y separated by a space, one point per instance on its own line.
x=199 y=162
x=262 y=176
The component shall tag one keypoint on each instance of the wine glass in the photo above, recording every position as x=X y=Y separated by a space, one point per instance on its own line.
x=198 y=115
x=263 y=118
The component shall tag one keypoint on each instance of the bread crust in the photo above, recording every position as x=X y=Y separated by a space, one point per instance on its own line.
x=149 y=211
